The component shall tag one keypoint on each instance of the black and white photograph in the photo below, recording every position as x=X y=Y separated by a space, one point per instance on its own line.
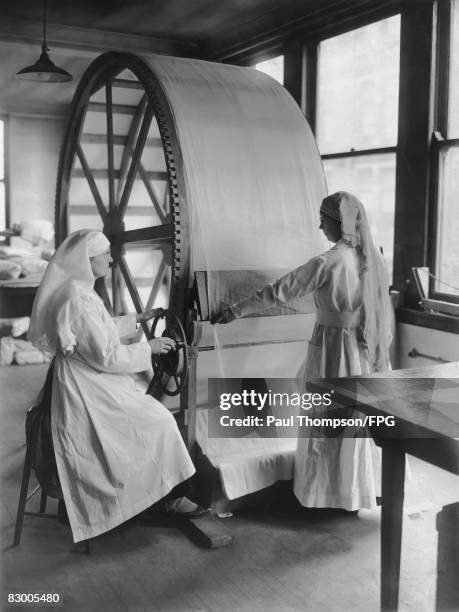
x=229 y=305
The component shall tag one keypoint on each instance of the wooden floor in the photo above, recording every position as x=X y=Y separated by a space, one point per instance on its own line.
x=283 y=559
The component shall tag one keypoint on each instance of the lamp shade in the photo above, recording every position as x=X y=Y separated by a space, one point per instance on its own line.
x=44 y=70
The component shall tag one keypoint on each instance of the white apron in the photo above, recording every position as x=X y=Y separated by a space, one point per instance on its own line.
x=118 y=450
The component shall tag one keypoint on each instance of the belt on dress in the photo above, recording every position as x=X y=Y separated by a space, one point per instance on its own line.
x=338 y=319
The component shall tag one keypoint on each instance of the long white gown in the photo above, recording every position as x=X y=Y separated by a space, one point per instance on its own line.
x=341 y=472
x=118 y=450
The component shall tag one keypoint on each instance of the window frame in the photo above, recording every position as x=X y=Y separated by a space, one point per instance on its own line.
x=439 y=141
x=415 y=204
x=313 y=56
x=301 y=74
x=351 y=152
x=4 y=240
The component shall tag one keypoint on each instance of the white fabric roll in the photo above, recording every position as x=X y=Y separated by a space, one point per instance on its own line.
x=253 y=172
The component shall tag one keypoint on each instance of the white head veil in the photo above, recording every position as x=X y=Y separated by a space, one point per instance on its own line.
x=376 y=318
x=68 y=276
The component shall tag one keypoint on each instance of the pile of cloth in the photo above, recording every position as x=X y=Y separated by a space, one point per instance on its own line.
x=30 y=250
x=14 y=348
x=21 y=263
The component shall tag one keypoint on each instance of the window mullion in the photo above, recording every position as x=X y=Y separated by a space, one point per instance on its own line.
x=443 y=48
x=311 y=85
x=442 y=219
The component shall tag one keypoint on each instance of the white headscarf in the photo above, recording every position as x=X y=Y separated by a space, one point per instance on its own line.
x=376 y=309
x=68 y=276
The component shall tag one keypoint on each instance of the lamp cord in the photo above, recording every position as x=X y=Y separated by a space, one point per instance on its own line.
x=44 y=24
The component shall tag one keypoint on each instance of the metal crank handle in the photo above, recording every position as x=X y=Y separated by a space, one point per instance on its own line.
x=159 y=312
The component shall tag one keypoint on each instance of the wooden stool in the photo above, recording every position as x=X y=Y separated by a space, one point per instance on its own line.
x=24 y=497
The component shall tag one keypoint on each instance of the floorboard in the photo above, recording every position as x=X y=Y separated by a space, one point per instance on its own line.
x=283 y=558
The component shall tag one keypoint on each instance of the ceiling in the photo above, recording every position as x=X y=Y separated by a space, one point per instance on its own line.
x=209 y=23
x=79 y=30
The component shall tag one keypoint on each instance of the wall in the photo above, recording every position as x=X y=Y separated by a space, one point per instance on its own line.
x=430 y=342
x=34 y=145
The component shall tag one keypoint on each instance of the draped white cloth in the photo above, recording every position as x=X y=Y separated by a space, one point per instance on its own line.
x=253 y=174
x=117 y=450
x=254 y=182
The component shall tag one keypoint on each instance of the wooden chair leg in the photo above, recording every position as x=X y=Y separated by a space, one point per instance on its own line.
x=43 y=500
x=22 y=498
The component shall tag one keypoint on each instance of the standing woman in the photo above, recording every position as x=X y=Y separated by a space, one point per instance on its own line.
x=118 y=451
x=351 y=337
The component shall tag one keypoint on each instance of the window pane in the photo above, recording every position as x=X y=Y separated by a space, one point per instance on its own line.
x=447 y=269
x=358 y=74
x=2 y=163
x=2 y=207
x=2 y=176
x=274 y=67
x=372 y=179
x=453 y=119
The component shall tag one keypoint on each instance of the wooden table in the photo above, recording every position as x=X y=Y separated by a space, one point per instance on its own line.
x=425 y=404
x=16 y=297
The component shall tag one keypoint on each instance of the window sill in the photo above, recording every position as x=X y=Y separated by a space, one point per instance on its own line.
x=433 y=320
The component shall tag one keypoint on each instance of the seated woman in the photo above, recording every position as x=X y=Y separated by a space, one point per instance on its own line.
x=351 y=337
x=118 y=451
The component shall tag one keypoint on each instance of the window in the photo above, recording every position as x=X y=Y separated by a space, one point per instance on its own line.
x=274 y=67
x=2 y=178
x=446 y=155
x=357 y=120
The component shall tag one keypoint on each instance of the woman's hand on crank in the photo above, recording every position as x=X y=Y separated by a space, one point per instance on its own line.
x=146 y=315
x=161 y=346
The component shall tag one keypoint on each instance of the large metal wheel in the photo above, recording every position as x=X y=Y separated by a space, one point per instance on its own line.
x=120 y=171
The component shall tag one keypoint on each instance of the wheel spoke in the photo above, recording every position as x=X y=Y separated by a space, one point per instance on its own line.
x=133 y=168
x=166 y=200
x=155 y=233
x=87 y=172
x=156 y=285
x=123 y=109
x=135 y=296
x=101 y=290
x=118 y=298
x=111 y=175
x=129 y=146
x=126 y=84
x=154 y=291
x=117 y=140
x=146 y=181
x=154 y=175
x=115 y=290
x=82 y=209
x=101 y=139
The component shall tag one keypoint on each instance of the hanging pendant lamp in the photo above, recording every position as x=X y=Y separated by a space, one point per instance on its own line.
x=44 y=70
